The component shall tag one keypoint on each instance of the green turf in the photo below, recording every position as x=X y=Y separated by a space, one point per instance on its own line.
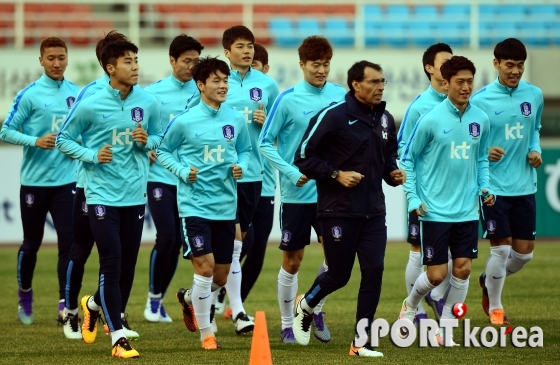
x=531 y=299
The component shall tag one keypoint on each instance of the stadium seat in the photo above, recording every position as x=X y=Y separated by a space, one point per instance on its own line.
x=487 y=12
x=554 y=28
x=282 y=32
x=543 y=13
x=454 y=12
x=510 y=12
x=453 y=33
x=6 y=23
x=372 y=12
x=398 y=13
x=426 y=13
x=485 y=34
x=338 y=32
x=394 y=34
x=501 y=31
x=534 y=33
x=373 y=33
x=307 y=27
x=422 y=34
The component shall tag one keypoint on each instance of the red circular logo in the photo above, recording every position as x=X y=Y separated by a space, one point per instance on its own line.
x=459 y=310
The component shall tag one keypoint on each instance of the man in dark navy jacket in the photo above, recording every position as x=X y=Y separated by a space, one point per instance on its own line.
x=349 y=148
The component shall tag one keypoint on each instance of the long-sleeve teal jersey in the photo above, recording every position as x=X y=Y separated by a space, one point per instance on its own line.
x=211 y=141
x=515 y=122
x=423 y=102
x=39 y=109
x=446 y=162
x=173 y=96
x=287 y=123
x=101 y=119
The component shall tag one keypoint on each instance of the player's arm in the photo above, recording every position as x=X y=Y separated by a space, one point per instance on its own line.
x=535 y=151
x=194 y=99
x=411 y=116
x=274 y=123
x=20 y=111
x=273 y=93
x=307 y=158
x=483 y=173
x=243 y=146
x=155 y=134
x=78 y=120
x=391 y=174
x=172 y=139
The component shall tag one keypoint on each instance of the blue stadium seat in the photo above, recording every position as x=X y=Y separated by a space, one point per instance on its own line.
x=427 y=13
x=543 y=13
x=394 y=34
x=501 y=31
x=373 y=36
x=308 y=27
x=398 y=13
x=422 y=34
x=510 y=12
x=283 y=32
x=455 y=12
x=453 y=33
x=487 y=12
x=554 y=28
x=485 y=34
x=372 y=12
x=338 y=32
x=534 y=33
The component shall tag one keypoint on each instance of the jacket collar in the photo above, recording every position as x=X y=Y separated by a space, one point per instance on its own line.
x=237 y=75
x=208 y=110
x=453 y=109
x=47 y=81
x=504 y=89
x=363 y=111
x=433 y=92
x=312 y=89
x=175 y=81
x=117 y=93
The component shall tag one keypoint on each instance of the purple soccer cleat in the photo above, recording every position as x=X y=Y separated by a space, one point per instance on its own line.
x=437 y=305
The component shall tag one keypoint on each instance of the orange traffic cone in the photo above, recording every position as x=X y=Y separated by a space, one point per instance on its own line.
x=260 y=347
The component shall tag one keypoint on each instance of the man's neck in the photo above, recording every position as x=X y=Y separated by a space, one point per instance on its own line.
x=124 y=89
x=242 y=70
x=437 y=86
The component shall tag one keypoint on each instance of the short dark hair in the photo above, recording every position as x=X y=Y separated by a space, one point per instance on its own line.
x=261 y=54
x=207 y=66
x=52 y=42
x=455 y=64
x=112 y=36
x=356 y=72
x=112 y=51
x=315 y=48
x=183 y=43
x=234 y=33
x=510 y=49
x=429 y=57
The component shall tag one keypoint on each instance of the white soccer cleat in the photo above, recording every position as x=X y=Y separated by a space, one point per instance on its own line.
x=302 y=322
x=440 y=339
x=243 y=324
x=71 y=326
x=364 y=351
x=163 y=316
x=221 y=301
x=406 y=313
x=128 y=332
x=152 y=310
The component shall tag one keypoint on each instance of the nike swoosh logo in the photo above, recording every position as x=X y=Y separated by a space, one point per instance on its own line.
x=356 y=353
x=352 y=122
x=140 y=216
x=446 y=132
x=198 y=135
x=493 y=277
x=107 y=116
x=272 y=202
x=473 y=250
x=305 y=113
x=534 y=233
x=47 y=105
x=73 y=191
x=236 y=272
x=498 y=113
x=166 y=102
x=201 y=298
x=288 y=301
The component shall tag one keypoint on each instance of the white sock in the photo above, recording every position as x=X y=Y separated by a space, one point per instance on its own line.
x=457 y=294
x=205 y=332
x=233 y=285
x=306 y=306
x=516 y=261
x=201 y=301
x=421 y=287
x=71 y=311
x=115 y=336
x=440 y=290
x=92 y=305
x=413 y=270
x=62 y=301
x=152 y=295
x=122 y=315
x=496 y=275
x=287 y=291
x=319 y=307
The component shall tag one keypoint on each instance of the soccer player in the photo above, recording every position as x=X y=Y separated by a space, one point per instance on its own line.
x=432 y=59
x=208 y=148
x=172 y=93
x=83 y=237
x=449 y=146
x=118 y=125
x=514 y=108
x=252 y=93
x=349 y=162
x=254 y=244
x=287 y=123
x=48 y=178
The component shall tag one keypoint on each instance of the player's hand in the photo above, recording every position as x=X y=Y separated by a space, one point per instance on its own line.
x=496 y=153
x=488 y=199
x=46 y=142
x=349 y=179
x=398 y=176
x=105 y=155
x=237 y=171
x=421 y=210
x=259 y=116
x=192 y=175
x=153 y=156
x=535 y=159
x=140 y=135
x=302 y=181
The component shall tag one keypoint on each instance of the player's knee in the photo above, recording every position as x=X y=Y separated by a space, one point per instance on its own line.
x=462 y=272
x=436 y=277
x=219 y=280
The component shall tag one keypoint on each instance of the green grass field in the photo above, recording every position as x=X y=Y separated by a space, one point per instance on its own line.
x=530 y=298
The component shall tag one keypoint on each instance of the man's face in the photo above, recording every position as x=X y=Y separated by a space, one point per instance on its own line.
x=126 y=69
x=214 y=90
x=182 y=66
x=257 y=65
x=459 y=88
x=509 y=71
x=54 y=61
x=370 y=90
x=434 y=70
x=316 y=72
x=240 y=54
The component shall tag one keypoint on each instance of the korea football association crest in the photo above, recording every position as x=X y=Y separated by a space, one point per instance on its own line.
x=526 y=109
x=429 y=253
x=137 y=114
x=70 y=102
x=198 y=242
x=84 y=208
x=491 y=226
x=384 y=122
x=158 y=193
x=286 y=237
x=414 y=230
x=229 y=132
x=474 y=130
x=336 y=233
x=255 y=94
x=100 y=211
x=29 y=199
